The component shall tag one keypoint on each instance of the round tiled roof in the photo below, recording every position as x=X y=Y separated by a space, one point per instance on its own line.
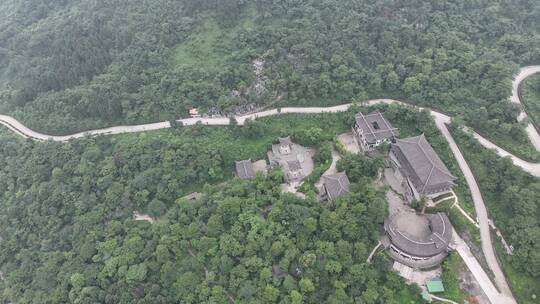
x=419 y=235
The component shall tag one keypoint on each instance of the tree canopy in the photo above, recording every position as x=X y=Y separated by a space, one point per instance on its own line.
x=512 y=198
x=66 y=229
x=74 y=65
x=68 y=234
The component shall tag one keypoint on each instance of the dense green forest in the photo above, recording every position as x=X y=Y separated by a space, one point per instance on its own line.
x=512 y=198
x=66 y=229
x=68 y=211
x=68 y=234
x=530 y=95
x=73 y=65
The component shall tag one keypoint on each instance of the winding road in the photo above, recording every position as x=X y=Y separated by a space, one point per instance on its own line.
x=531 y=130
x=502 y=295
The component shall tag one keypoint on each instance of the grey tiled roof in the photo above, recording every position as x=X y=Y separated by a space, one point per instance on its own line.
x=434 y=240
x=294 y=165
x=336 y=185
x=244 y=169
x=375 y=127
x=285 y=141
x=422 y=164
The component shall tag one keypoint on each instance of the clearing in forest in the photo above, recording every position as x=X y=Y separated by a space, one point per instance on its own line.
x=210 y=47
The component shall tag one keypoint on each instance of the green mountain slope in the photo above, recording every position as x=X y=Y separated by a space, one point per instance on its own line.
x=68 y=235
x=530 y=93
x=73 y=65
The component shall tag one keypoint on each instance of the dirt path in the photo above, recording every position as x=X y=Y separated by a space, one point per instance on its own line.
x=331 y=170
x=443 y=299
x=373 y=252
x=335 y=158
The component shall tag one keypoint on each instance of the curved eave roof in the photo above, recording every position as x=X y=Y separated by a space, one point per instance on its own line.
x=337 y=184
x=429 y=246
x=422 y=164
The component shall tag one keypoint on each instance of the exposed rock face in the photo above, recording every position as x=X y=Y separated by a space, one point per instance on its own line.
x=258 y=87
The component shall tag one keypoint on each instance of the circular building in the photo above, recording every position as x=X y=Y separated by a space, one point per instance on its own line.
x=418 y=241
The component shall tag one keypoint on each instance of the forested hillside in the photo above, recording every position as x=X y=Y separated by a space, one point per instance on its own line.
x=68 y=235
x=512 y=198
x=530 y=96
x=66 y=228
x=73 y=65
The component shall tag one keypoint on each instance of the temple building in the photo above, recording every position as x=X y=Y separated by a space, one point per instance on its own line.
x=336 y=185
x=418 y=240
x=372 y=130
x=419 y=169
x=285 y=145
x=293 y=170
x=295 y=160
x=247 y=169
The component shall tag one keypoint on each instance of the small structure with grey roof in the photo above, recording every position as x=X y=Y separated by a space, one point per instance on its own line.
x=295 y=160
x=336 y=185
x=285 y=145
x=419 y=169
x=418 y=240
x=244 y=169
x=372 y=130
x=294 y=169
x=247 y=169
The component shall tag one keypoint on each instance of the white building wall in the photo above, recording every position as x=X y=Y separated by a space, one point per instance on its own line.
x=434 y=195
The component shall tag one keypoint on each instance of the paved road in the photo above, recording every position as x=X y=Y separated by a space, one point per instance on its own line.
x=19 y=128
x=479 y=274
x=481 y=213
x=531 y=130
x=531 y=168
x=441 y=120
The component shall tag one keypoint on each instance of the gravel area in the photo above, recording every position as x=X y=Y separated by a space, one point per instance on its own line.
x=347 y=140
